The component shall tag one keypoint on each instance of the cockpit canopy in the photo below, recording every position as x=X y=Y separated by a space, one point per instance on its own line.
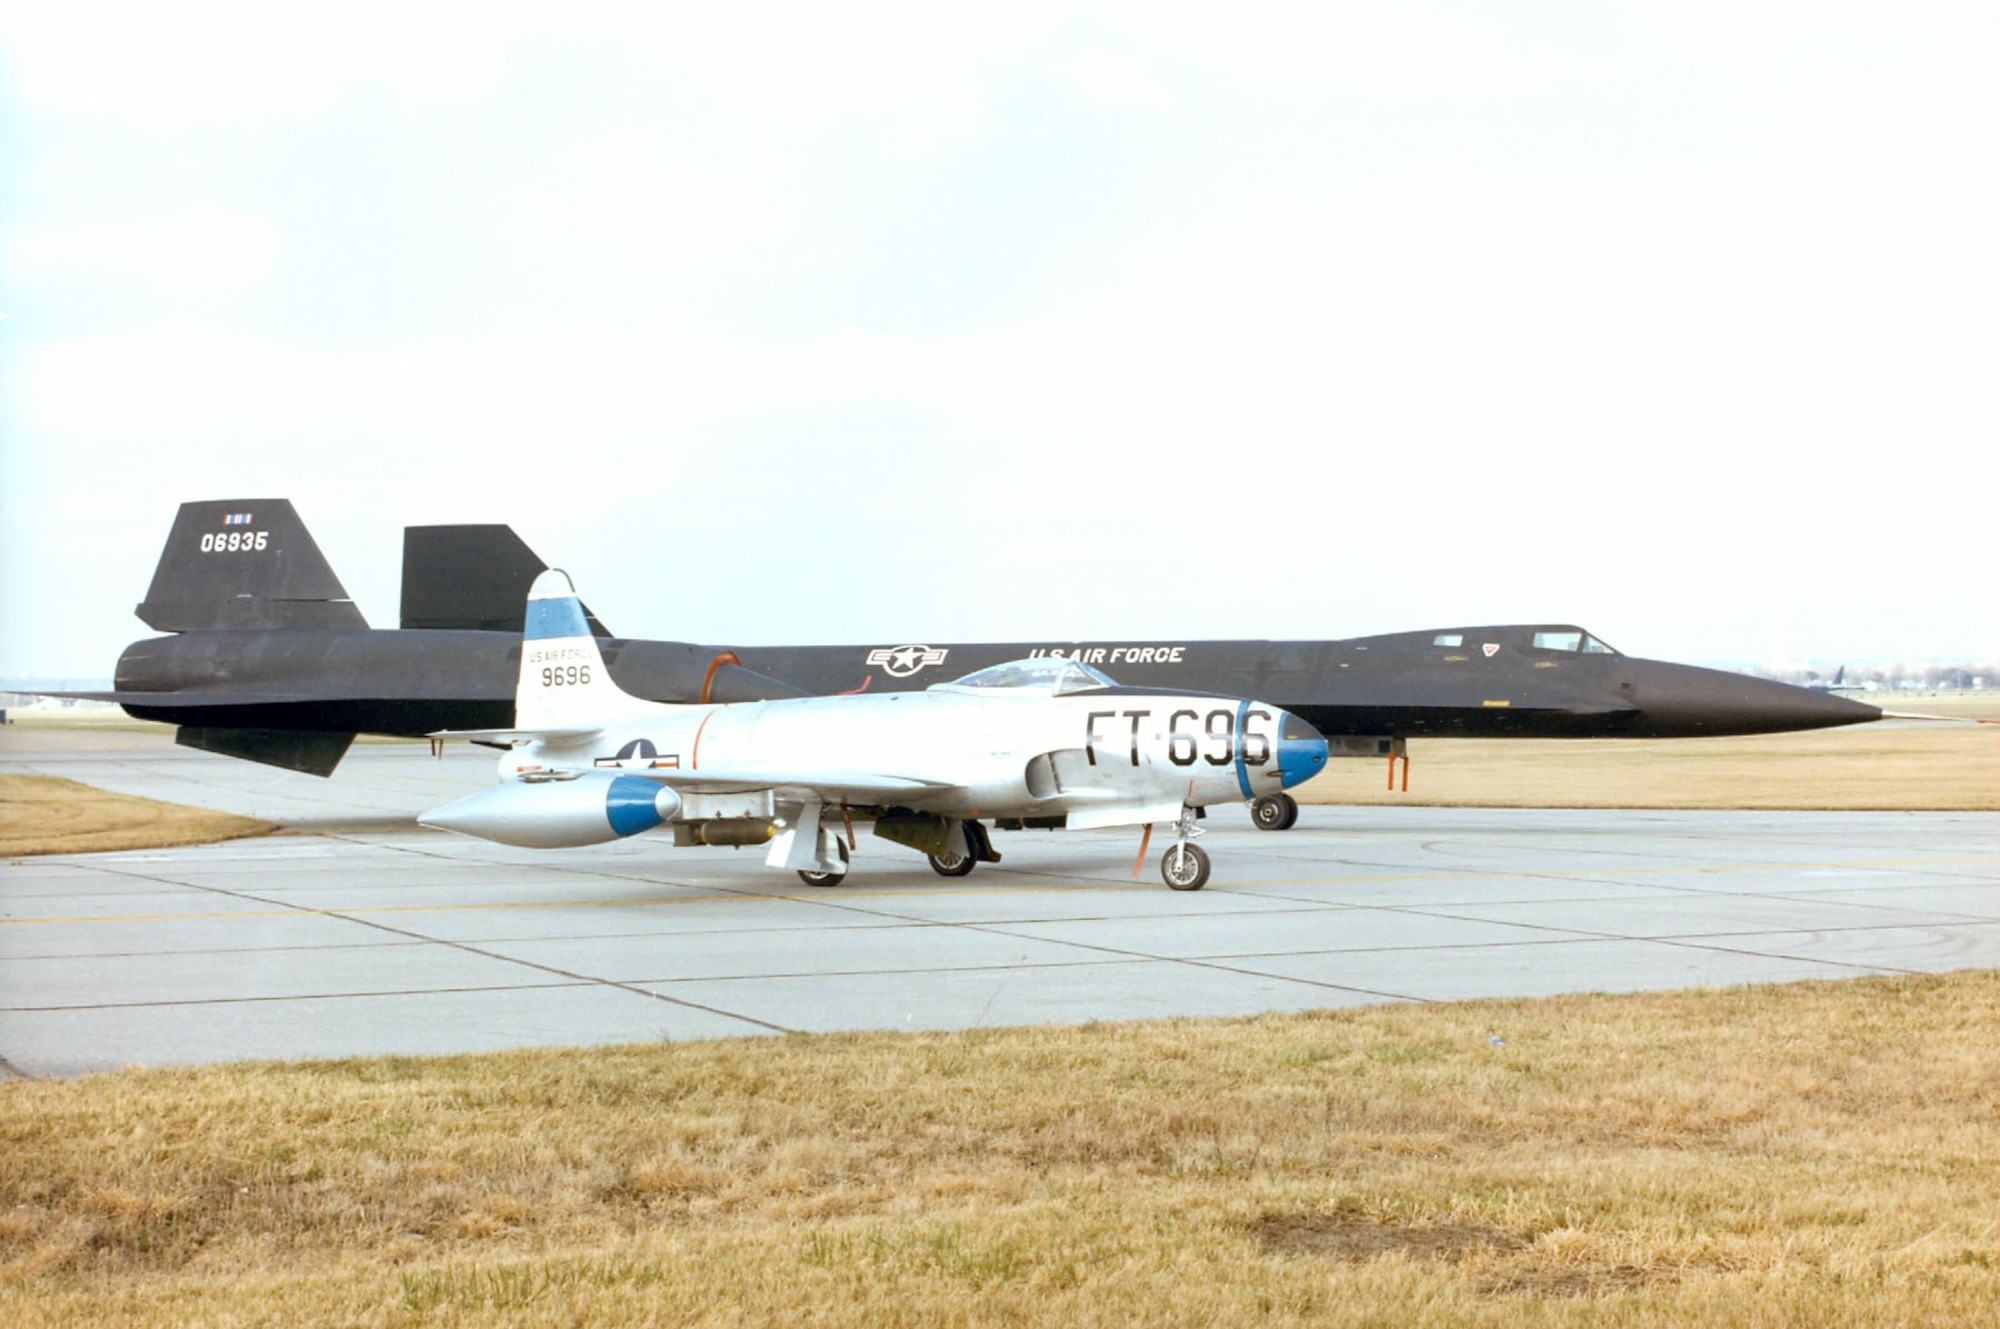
x=1570 y=639
x=1048 y=675
x=1565 y=637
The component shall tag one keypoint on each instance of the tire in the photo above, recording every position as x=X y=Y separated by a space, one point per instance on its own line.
x=1185 y=867
x=812 y=878
x=1274 y=812
x=952 y=865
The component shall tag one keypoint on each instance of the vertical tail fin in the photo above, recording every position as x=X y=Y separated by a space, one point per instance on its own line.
x=564 y=684
x=244 y=563
x=474 y=577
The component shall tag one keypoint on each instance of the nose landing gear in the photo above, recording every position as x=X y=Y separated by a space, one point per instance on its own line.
x=1185 y=866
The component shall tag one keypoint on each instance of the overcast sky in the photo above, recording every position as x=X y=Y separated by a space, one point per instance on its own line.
x=886 y=322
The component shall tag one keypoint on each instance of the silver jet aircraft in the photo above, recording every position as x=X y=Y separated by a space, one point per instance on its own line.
x=1034 y=743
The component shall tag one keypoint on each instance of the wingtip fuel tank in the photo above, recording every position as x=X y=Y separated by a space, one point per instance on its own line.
x=592 y=807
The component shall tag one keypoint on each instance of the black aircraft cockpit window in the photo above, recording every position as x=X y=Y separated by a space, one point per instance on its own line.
x=1448 y=639
x=1571 y=639
x=1295 y=728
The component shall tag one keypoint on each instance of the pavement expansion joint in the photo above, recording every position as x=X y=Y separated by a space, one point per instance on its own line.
x=467 y=947
x=283 y=906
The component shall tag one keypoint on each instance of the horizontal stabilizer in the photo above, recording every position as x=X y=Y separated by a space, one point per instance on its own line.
x=244 y=563
x=517 y=735
x=470 y=578
x=311 y=751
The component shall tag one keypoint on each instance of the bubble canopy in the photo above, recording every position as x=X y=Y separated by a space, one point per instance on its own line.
x=1049 y=676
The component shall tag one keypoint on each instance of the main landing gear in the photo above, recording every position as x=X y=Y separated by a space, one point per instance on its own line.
x=1274 y=812
x=951 y=863
x=957 y=863
x=812 y=878
x=1185 y=866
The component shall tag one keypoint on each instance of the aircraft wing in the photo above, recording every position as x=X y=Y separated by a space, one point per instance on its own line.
x=512 y=736
x=204 y=699
x=859 y=787
x=830 y=787
x=1124 y=814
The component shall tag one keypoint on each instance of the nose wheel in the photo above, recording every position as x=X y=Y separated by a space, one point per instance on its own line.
x=1185 y=867
x=950 y=864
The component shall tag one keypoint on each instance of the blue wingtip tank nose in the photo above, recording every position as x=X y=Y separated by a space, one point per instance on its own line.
x=1301 y=751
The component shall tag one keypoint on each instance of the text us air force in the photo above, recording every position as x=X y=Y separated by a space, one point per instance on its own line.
x=1107 y=655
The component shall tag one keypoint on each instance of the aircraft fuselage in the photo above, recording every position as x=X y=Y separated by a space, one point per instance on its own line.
x=413 y=682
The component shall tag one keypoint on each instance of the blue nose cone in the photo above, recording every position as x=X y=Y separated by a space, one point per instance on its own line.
x=1301 y=751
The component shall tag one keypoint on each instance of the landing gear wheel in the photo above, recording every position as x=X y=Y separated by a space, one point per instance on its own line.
x=949 y=864
x=1185 y=867
x=1274 y=812
x=811 y=878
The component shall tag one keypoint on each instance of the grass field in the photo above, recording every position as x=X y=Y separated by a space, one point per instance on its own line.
x=1819 y=1154
x=111 y=720
x=1981 y=705
x=41 y=814
x=1893 y=767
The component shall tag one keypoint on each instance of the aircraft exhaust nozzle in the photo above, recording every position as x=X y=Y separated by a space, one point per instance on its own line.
x=593 y=808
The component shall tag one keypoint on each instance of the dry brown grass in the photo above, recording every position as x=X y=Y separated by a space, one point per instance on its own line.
x=1981 y=705
x=1882 y=767
x=1807 y=1155
x=77 y=718
x=40 y=814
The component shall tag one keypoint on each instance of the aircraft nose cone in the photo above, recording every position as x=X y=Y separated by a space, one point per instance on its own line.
x=1682 y=700
x=1301 y=751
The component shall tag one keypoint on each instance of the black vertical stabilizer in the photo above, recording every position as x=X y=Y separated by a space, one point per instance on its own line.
x=470 y=578
x=244 y=563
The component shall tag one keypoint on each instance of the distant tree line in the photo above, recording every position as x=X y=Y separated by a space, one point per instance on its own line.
x=1910 y=677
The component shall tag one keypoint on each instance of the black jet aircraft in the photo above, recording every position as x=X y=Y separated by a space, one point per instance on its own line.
x=266 y=658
